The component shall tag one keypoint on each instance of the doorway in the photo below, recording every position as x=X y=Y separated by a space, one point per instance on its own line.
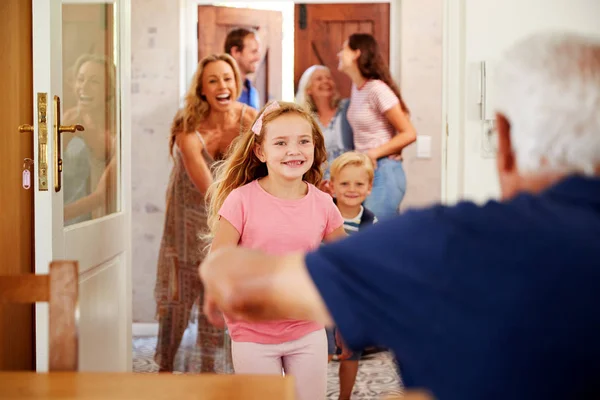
x=416 y=28
x=151 y=132
x=321 y=29
x=214 y=23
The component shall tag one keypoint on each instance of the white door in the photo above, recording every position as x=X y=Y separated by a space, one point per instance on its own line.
x=479 y=31
x=81 y=74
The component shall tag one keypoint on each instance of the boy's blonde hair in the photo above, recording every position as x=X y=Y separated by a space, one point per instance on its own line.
x=242 y=166
x=352 y=158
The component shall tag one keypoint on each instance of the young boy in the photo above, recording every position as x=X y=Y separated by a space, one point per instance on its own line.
x=351 y=183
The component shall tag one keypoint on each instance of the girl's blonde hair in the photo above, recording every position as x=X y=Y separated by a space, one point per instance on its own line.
x=242 y=166
x=305 y=99
x=196 y=108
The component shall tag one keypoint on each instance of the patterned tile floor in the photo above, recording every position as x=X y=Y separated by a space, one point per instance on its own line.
x=376 y=376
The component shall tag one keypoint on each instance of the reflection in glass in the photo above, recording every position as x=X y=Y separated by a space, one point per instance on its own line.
x=90 y=157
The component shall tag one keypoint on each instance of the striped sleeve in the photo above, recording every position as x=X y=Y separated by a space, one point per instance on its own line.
x=382 y=97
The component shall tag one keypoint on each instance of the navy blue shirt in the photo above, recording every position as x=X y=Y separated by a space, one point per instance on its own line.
x=500 y=301
x=249 y=95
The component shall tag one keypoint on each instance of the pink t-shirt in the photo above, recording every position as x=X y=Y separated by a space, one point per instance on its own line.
x=278 y=226
x=366 y=116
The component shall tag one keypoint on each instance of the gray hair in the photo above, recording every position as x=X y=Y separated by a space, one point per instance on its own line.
x=303 y=98
x=548 y=88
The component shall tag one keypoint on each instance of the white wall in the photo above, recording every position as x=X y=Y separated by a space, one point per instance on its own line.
x=155 y=69
x=420 y=61
x=489 y=27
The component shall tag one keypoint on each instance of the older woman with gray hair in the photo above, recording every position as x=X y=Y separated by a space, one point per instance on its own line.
x=496 y=301
x=318 y=93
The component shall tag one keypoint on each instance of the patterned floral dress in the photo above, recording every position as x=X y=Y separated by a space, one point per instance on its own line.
x=178 y=286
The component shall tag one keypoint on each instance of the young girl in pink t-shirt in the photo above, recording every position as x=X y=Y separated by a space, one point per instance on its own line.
x=379 y=120
x=264 y=197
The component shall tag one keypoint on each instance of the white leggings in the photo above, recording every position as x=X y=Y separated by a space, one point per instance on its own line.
x=305 y=359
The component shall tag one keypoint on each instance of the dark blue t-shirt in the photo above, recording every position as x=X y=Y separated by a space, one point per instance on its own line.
x=500 y=301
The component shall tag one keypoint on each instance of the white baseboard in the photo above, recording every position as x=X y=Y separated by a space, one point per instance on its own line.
x=144 y=329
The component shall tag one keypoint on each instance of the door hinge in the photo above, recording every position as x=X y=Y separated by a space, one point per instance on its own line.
x=302 y=17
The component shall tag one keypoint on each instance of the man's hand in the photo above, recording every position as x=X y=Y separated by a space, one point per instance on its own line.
x=373 y=156
x=212 y=312
x=251 y=285
x=237 y=281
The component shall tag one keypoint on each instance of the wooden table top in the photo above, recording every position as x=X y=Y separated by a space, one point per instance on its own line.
x=121 y=386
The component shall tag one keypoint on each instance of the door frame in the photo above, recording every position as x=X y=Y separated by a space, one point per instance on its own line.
x=453 y=75
x=188 y=51
x=43 y=255
x=453 y=100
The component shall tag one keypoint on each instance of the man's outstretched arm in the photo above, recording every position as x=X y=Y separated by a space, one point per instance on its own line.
x=248 y=284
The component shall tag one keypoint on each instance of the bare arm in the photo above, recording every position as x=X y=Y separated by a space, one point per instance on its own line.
x=95 y=199
x=191 y=154
x=406 y=134
x=225 y=236
x=248 y=284
x=336 y=234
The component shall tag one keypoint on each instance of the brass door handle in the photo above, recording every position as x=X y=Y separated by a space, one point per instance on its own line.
x=58 y=129
x=42 y=141
x=25 y=128
x=70 y=128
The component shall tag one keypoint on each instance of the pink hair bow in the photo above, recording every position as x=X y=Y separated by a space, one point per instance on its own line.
x=256 y=128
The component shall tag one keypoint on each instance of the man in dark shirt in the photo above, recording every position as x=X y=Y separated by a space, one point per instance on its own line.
x=243 y=45
x=498 y=301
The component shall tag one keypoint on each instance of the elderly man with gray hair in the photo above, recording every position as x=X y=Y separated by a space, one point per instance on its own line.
x=498 y=301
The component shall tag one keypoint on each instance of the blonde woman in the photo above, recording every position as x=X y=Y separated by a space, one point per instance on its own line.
x=200 y=135
x=89 y=158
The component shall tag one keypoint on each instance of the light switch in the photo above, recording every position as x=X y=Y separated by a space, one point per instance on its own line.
x=423 y=146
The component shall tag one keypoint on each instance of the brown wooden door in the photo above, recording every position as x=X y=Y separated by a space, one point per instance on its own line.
x=215 y=22
x=16 y=203
x=321 y=29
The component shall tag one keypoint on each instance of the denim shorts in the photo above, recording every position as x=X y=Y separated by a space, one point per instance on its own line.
x=389 y=186
x=332 y=348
